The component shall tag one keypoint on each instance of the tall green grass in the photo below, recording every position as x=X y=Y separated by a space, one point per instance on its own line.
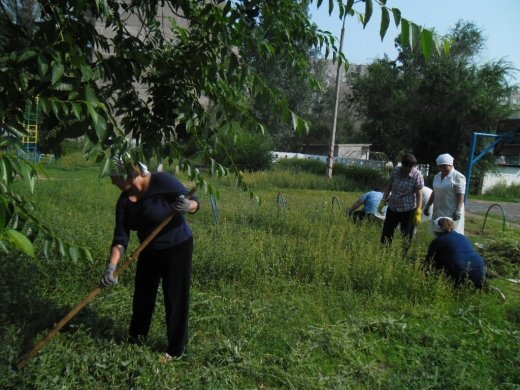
x=503 y=192
x=283 y=297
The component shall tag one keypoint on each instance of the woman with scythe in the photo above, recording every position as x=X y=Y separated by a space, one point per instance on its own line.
x=146 y=200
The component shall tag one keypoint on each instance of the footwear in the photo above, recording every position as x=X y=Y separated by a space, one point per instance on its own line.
x=165 y=358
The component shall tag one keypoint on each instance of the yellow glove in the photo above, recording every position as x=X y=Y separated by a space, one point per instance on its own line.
x=382 y=205
x=418 y=216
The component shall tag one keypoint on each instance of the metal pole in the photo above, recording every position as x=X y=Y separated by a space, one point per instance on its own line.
x=330 y=157
x=470 y=164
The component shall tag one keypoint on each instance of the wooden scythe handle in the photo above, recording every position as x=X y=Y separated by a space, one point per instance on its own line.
x=90 y=297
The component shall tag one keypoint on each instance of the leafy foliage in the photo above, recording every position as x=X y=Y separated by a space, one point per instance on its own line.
x=248 y=152
x=166 y=89
x=416 y=104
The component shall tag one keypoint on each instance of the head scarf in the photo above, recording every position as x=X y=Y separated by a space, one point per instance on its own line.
x=437 y=228
x=445 y=159
x=127 y=169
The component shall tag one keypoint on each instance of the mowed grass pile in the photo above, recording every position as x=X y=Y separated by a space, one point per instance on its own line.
x=291 y=296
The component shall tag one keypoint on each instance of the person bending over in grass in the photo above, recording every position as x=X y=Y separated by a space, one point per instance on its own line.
x=370 y=201
x=146 y=200
x=454 y=254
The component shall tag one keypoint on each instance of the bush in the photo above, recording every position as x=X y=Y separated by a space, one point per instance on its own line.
x=248 y=152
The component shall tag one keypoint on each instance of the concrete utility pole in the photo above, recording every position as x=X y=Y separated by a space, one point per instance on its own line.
x=330 y=157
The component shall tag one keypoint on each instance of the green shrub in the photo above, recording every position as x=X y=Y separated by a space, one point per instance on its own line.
x=70 y=145
x=248 y=152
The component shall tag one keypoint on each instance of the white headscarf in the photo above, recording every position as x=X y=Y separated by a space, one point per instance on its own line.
x=445 y=159
x=436 y=227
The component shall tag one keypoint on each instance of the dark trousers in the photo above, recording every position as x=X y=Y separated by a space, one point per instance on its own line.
x=393 y=219
x=174 y=267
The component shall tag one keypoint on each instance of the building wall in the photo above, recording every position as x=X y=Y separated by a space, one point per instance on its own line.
x=506 y=175
x=355 y=151
x=375 y=164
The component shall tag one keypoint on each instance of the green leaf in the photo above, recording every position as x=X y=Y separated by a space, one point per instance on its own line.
x=106 y=167
x=303 y=126
x=57 y=71
x=405 y=32
x=85 y=254
x=27 y=55
x=93 y=113
x=331 y=6
x=447 y=47
x=21 y=241
x=63 y=86
x=86 y=73
x=43 y=65
x=101 y=128
x=415 y=35
x=77 y=110
x=43 y=102
x=437 y=43
x=29 y=174
x=47 y=243
x=6 y=171
x=60 y=246
x=426 y=42
x=369 y=8
x=397 y=16
x=349 y=5
x=55 y=107
x=385 y=22
x=90 y=96
x=74 y=253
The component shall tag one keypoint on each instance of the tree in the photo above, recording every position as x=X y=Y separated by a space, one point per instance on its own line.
x=95 y=81
x=431 y=106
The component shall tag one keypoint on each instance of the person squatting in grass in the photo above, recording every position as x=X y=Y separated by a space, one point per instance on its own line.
x=449 y=186
x=146 y=200
x=454 y=254
x=403 y=194
x=370 y=201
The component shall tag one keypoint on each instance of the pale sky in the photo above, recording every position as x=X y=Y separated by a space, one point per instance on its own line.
x=499 y=21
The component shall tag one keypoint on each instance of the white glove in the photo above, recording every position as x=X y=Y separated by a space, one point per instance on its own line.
x=108 y=278
x=182 y=205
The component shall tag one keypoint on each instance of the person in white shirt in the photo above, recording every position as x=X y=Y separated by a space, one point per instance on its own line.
x=449 y=186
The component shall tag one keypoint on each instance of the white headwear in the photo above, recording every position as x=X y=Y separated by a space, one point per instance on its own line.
x=143 y=169
x=445 y=159
x=120 y=168
x=436 y=227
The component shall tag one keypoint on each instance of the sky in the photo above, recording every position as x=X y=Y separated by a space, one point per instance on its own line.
x=498 y=20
